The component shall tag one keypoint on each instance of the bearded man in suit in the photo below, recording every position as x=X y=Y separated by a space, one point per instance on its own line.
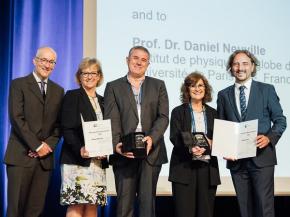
x=137 y=103
x=34 y=104
x=247 y=99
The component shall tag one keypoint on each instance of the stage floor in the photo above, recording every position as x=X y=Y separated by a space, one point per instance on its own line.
x=282 y=186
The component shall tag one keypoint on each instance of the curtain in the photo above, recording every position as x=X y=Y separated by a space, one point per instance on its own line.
x=25 y=26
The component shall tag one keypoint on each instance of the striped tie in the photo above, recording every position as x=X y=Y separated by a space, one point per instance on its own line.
x=243 y=104
x=42 y=88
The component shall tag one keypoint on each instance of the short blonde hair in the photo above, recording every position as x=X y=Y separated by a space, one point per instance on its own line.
x=88 y=62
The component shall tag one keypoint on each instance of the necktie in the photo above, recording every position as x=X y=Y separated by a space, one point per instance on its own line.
x=243 y=104
x=42 y=89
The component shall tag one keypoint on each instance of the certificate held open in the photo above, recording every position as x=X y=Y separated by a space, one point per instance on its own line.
x=98 y=137
x=235 y=140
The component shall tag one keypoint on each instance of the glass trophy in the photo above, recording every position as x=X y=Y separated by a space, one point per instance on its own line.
x=197 y=139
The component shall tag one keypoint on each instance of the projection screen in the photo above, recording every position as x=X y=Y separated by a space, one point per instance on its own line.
x=188 y=35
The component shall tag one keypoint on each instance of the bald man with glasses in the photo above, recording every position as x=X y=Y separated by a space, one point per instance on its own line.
x=34 y=104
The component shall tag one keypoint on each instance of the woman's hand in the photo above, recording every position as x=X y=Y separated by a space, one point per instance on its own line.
x=84 y=153
x=209 y=142
x=230 y=158
x=101 y=157
x=197 y=151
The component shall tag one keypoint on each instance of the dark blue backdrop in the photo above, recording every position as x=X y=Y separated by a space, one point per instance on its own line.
x=25 y=26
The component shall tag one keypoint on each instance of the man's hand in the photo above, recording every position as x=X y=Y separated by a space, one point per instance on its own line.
x=149 y=146
x=125 y=154
x=262 y=141
x=230 y=158
x=32 y=154
x=44 y=150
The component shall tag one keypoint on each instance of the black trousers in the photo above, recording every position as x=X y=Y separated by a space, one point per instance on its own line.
x=255 y=189
x=136 y=177
x=195 y=199
x=27 y=187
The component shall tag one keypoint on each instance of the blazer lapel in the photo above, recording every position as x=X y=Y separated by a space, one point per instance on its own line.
x=33 y=86
x=232 y=99
x=209 y=119
x=49 y=92
x=129 y=93
x=87 y=103
x=144 y=96
x=101 y=102
x=187 y=118
x=254 y=101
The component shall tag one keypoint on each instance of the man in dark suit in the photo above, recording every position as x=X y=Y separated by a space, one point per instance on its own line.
x=248 y=99
x=137 y=103
x=34 y=103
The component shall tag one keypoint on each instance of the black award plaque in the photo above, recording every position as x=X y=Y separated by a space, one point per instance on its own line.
x=133 y=142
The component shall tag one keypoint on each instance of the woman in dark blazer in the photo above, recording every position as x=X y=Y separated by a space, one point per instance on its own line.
x=194 y=177
x=83 y=178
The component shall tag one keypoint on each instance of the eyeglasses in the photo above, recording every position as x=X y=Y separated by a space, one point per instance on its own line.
x=87 y=74
x=142 y=60
x=244 y=64
x=46 y=61
x=200 y=86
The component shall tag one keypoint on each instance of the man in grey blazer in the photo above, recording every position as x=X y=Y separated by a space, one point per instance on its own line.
x=137 y=103
x=248 y=99
x=34 y=103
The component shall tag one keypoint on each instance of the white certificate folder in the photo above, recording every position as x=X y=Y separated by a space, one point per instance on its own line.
x=234 y=140
x=98 y=137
